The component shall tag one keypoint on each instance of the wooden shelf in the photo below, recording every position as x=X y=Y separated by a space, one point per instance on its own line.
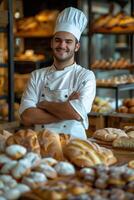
x=41 y=33
x=115 y=30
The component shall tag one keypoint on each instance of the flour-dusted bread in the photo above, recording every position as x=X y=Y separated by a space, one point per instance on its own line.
x=64 y=168
x=33 y=158
x=46 y=169
x=109 y=134
x=7 y=167
x=49 y=161
x=34 y=180
x=16 y=151
x=22 y=168
x=4 y=159
x=27 y=138
x=50 y=145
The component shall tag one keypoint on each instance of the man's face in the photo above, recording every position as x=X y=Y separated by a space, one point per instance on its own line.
x=64 y=46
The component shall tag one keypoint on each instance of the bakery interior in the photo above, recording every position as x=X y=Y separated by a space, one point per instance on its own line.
x=44 y=165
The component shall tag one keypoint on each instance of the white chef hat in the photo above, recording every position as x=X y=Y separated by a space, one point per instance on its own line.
x=71 y=20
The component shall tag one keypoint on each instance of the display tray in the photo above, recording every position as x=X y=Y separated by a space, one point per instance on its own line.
x=123 y=155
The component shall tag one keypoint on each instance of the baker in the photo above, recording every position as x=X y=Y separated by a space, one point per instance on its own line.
x=59 y=97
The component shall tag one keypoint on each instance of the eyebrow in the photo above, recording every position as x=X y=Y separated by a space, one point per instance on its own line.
x=66 y=39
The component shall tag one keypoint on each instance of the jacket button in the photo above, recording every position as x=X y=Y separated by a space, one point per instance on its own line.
x=42 y=126
x=66 y=96
x=64 y=126
x=42 y=95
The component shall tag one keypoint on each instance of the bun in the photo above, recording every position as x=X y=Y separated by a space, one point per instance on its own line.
x=16 y=151
x=27 y=138
x=50 y=144
x=131 y=110
x=123 y=109
x=64 y=168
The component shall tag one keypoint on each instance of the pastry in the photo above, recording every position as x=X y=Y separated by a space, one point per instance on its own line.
x=64 y=168
x=16 y=151
x=49 y=161
x=4 y=159
x=114 y=21
x=22 y=168
x=12 y=193
x=123 y=109
x=34 y=180
x=49 y=171
x=7 y=167
x=33 y=158
x=101 y=21
x=131 y=110
x=22 y=188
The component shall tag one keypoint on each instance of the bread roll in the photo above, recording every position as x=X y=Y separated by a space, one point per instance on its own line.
x=16 y=151
x=27 y=138
x=50 y=144
x=123 y=109
x=64 y=168
x=131 y=110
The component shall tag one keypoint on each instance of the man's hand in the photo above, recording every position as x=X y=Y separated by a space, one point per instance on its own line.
x=74 y=95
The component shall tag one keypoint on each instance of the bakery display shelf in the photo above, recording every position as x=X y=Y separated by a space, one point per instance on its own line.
x=122 y=115
x=131 y=67
x=118 y=88
x=114 y=30
x=121 y=87
x=30 y=34
x=10 y=51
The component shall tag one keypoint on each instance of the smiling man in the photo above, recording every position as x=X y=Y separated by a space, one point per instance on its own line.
x=59 y=97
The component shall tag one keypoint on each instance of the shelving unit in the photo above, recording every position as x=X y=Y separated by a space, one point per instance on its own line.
x=121 y=87
x=10 y=62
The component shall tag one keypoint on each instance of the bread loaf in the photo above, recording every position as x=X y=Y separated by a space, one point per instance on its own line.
x=109 y=134
x=50 y=144
x=85 y=153
x=27 y=138
x=124 y=143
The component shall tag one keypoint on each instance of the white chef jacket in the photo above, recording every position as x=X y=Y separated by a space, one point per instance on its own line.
x=57 y=85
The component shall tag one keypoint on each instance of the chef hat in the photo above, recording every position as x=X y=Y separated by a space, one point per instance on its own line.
x=71 y=20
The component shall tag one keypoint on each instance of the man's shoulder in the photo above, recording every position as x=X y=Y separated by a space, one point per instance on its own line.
x=83 y=70
x=40 y=72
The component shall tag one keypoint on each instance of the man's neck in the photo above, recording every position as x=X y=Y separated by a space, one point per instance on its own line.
x=61 y=66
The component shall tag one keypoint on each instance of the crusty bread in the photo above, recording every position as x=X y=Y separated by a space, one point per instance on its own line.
x=124 y=143
x=50 y=144
x=64 y=139
x=85 y=153
x=109 y=134
x=27 y=138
